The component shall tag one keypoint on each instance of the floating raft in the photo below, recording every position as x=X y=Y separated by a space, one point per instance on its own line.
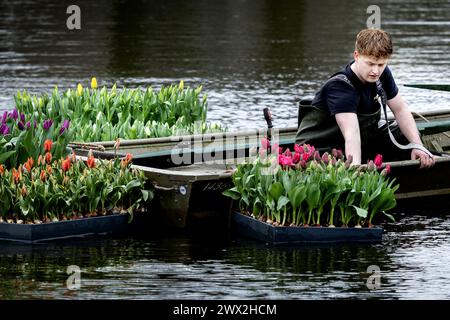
x=101 y=225
x=258 y=230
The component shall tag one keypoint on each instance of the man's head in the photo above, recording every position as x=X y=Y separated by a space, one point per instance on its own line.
x=373 y=48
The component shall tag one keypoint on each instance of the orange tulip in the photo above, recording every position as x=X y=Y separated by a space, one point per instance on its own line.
x=48 y=157
x=66 y=164
x=48 y=145
x=2 y=169
x=43 y=176
x=24 y=191
x=91 y=162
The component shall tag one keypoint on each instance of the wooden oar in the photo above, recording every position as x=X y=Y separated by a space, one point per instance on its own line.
x=440 y=87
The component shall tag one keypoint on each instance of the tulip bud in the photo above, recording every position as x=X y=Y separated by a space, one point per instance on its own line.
x=94 y=83
x=79 y=89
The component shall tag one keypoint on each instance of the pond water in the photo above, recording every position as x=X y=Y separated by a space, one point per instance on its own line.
x=247 y=55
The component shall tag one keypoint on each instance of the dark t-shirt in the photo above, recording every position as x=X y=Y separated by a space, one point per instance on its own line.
x=337 y=96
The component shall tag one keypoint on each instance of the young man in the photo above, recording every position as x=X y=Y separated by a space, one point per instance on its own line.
x=345 y=112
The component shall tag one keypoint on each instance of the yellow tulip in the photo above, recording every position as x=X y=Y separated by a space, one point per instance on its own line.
x=79 y=89
x=94 y=83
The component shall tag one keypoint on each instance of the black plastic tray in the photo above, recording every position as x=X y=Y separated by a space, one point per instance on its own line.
x=109 y=224
x=253 y=228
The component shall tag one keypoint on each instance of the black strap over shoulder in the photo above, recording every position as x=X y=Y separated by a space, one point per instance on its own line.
x=382 y=100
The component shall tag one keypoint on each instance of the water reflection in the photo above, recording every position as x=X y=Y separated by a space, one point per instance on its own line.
x=247 y=54
x=223 y=266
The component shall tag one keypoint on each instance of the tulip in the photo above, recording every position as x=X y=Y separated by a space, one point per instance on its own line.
x=298 y=149
x=262 y=152
x=296 y=158
x=388 y=169
x=14 y=114
x=4 y=129
x=303 y=164
x=326 y=158
x=275 y=148
x=334 y=153
x=65 y=165
x=48 y=157
x=94 y=83
x=48 y=145
x=43 y=175
x=265 y=143
x=305 y=156
x=22 y=117
x=378 y=160
x=79 y=89
x=20 y=125
x=28 y=165
x=47 y=124
x=64 y=126
x=91 y=160
x=4 y=117
x=2 y=169
x=24 y=191
x=288 y=153
x=317 y=156
x=28 y=125
x=371 y=165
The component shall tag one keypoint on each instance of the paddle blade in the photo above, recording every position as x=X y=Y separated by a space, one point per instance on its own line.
x=440 y=87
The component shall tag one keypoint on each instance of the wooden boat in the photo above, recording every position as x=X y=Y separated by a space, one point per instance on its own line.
x=191 y=172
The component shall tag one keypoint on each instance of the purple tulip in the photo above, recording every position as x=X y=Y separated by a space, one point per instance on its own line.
x=5 y=116
x=64 y=126
x=4 y=129
x=47 y=124
x=20 y=125
x=22 y=117
x=28 y=124
x=14 y=114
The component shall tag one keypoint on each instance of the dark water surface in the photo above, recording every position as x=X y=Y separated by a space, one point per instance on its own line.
x=247 y=55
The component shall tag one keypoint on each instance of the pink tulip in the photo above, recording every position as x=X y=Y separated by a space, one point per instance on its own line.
x=262 y=152
x=378 y=160
x=388 y=168
x=265 y=143
x=298 y=149
x=296 y=157
x=288 y=153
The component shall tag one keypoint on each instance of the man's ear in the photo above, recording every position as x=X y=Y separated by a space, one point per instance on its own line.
x=355 y=55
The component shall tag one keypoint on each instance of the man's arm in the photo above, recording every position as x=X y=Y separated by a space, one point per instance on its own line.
x=408 y=127
x=349 y=126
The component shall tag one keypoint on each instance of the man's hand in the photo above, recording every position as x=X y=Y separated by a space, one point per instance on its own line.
x=425 y=160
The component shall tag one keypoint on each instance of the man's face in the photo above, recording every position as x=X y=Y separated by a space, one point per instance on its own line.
x=369 y=68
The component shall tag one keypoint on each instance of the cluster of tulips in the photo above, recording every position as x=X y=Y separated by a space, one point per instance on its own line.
x=22 y=135
x=304 y=188
x=53 y=189
x=105 y=115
